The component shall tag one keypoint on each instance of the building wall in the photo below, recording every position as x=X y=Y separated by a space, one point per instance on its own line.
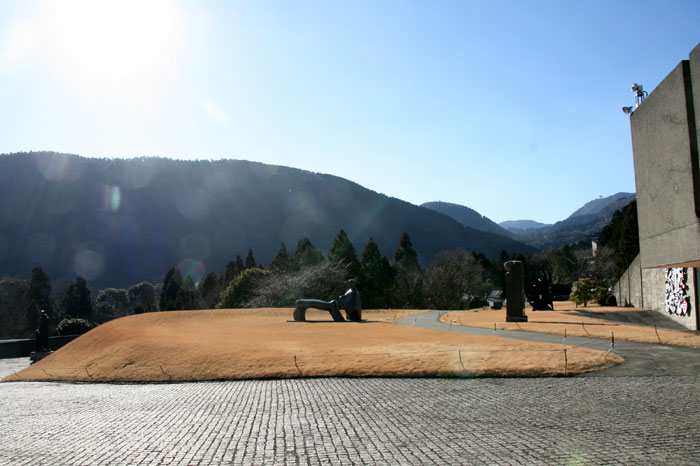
x=664 y=141
x=646 y=289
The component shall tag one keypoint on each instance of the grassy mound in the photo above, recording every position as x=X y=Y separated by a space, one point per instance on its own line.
x=262 y=343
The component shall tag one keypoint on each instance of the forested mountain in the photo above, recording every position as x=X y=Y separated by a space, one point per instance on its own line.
x=467 y=217
x=518 y=226
x=597 y=205
x=120 y=221
x=580 y=227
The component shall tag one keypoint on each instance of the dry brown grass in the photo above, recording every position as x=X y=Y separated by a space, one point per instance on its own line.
x=564 y=319
x=262 y=343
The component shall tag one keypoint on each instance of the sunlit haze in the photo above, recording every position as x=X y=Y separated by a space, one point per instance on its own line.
x=511 y=108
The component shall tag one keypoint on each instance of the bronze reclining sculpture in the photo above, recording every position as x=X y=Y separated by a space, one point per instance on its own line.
x=350 y=302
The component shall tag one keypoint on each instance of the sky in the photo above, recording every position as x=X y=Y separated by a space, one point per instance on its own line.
x=512 y=108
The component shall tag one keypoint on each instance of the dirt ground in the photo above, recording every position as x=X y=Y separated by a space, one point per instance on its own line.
x=563 y=320
x=264 y=343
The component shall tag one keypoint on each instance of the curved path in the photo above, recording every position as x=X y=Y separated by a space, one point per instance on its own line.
x=641 y=359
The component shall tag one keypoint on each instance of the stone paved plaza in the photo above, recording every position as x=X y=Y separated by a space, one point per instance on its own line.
x=563 y=421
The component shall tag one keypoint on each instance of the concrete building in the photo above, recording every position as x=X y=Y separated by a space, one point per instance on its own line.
x=665 y=132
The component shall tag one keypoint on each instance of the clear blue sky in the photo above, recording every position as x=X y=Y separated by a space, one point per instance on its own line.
x=509 y=107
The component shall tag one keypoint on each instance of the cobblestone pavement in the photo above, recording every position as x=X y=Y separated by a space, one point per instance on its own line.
x=562 y=421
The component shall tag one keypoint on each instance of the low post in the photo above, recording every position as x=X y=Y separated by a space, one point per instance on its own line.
x=515 y=292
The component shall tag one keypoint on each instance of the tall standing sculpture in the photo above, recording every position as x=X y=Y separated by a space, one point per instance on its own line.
x=515 y=292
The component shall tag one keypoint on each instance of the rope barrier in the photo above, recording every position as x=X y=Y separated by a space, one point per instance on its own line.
x=297 y=366
x=163 y=371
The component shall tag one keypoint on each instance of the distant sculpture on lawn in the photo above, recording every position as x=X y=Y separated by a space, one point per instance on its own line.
x=350 y=302
x=42 y=333
x=515 y=292
x=542 y=295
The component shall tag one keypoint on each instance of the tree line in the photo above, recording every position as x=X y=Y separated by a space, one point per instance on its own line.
x=455 y=279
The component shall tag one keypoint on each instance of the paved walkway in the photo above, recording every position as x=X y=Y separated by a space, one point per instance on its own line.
x=402 y=422
x=542 y=421
x=641 y=359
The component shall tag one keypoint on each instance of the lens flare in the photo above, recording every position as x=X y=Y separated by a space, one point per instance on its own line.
x=111 y=198
x=88 y=264
x=192 y=204
x=54 y=167
x=192 y=268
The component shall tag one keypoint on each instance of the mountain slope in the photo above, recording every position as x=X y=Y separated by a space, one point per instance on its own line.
x=596 y=205
x=467 y=217
x=582 y=227
x=117 y=222
x=519 y=226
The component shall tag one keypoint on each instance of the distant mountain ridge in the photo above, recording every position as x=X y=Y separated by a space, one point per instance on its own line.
x=467 y=217
x=517 y=226
x=584 y=224
x=596 y=205
x=120 y=221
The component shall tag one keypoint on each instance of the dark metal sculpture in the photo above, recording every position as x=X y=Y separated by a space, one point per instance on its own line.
x=541 y=295
x=42 y=333
x=350 y=302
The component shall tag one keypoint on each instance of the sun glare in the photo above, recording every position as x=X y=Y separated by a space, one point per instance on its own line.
x=103 y=47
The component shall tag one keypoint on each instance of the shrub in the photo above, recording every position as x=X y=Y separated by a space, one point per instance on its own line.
x=241 y=289
x=601 y=295
x=323 y=281
x=583 y=290
x=74 y=327
x=611 y=301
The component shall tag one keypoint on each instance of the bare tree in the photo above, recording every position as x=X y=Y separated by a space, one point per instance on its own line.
x=454 y=280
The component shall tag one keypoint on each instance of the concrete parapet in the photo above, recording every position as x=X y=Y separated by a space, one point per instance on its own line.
x=24 y=347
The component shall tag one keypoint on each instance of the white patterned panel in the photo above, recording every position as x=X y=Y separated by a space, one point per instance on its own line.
x=677 y=299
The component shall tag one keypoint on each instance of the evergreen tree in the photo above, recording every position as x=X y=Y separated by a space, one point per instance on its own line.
x=502 y=259
x=406 y=257
x=628 y=243
x=186 y=297
x=142 y=295
x=40 y=290
x=407 y=288
x=622 y=235
x=306 y=254
x=171 y=287
x=233 y=269
x=209 y=291
x=250 y=260
x=374 y=281
x=77 y=302
x=282 y=261
x=343 y=250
